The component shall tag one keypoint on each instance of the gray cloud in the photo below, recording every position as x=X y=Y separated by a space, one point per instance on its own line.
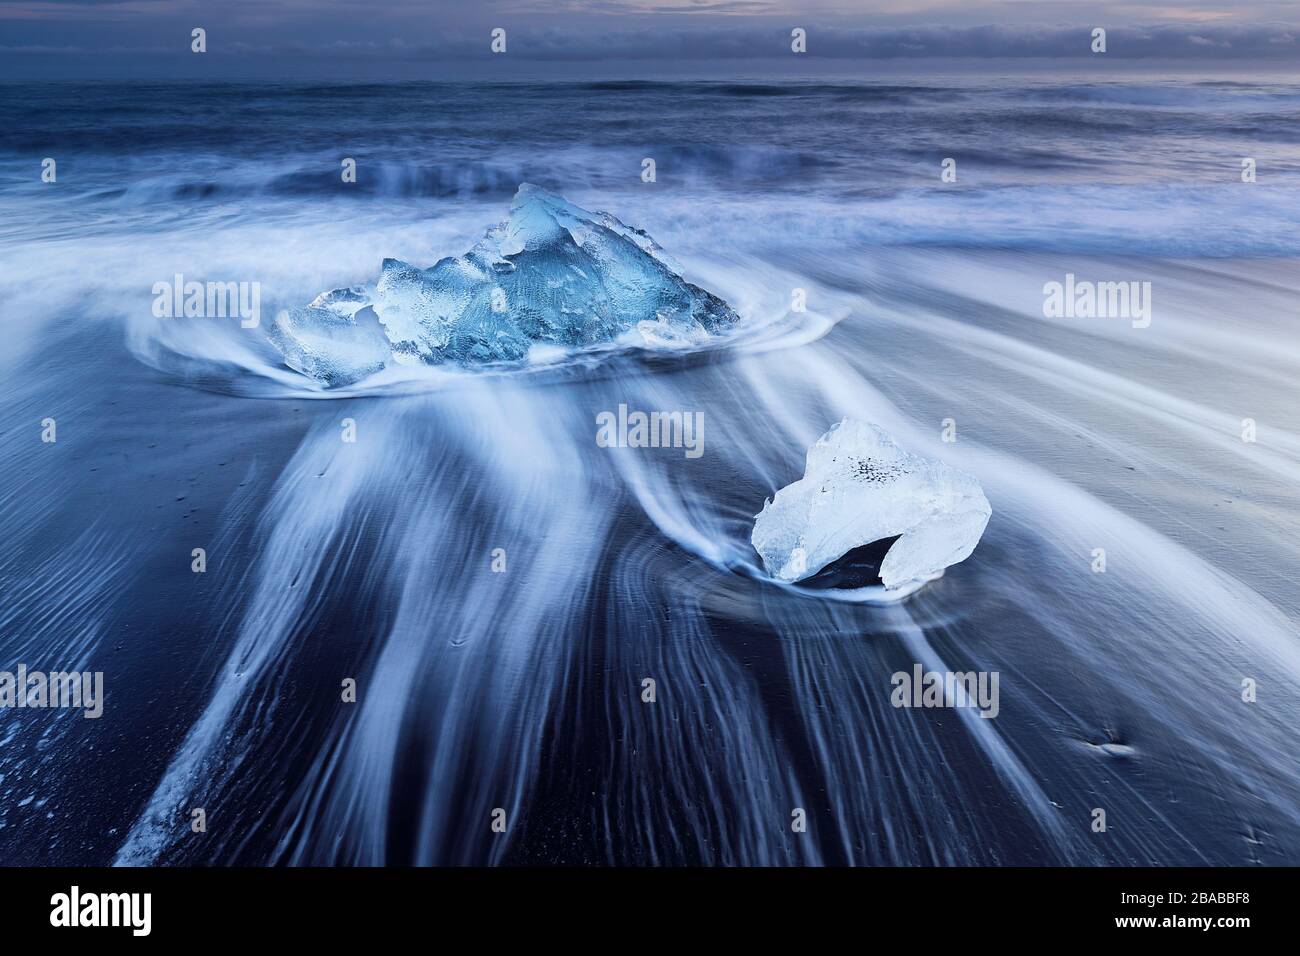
x=373 y=48
x=993 y=42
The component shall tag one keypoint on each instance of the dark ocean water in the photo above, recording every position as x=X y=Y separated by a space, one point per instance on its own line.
x=522 y=690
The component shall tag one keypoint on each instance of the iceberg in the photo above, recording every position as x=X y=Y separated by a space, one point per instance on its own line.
x=552 y=275
x=859 y=487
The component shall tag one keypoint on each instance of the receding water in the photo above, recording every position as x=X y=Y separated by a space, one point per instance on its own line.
x=522 y=689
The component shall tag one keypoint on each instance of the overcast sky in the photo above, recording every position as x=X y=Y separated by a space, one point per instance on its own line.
x=439 y=38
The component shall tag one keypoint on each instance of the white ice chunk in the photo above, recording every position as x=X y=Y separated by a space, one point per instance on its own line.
x=860 y=487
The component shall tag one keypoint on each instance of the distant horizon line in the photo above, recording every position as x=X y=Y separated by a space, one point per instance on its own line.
x=864 y=72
